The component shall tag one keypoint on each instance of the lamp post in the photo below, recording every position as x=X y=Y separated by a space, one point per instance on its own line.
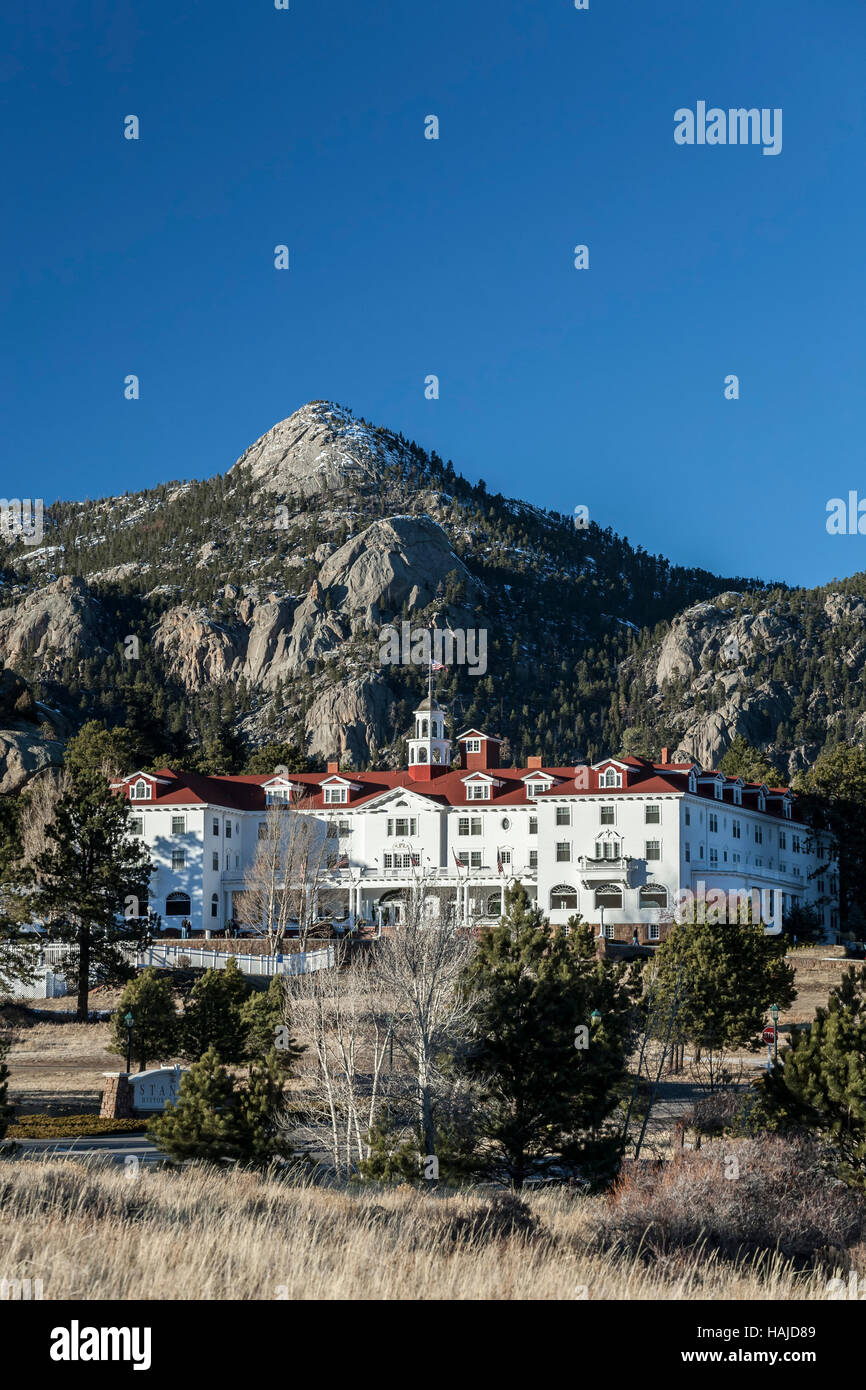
x=595 y=1018
x=128 y=1022
x=774 y=1013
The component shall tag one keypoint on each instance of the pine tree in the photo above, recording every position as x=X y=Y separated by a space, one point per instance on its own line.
x=263 y=1018
x=213 y=1016
x=91 y=872
x=820 y=1082
x=201 y=1123
x=545 y=1098
x=150 y=1000
x=743 y=760
x=722 y=978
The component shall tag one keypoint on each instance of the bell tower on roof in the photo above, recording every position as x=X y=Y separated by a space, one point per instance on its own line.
x=429 y=749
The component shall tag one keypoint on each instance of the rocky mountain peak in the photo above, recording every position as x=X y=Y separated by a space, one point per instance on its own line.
x=321 y=449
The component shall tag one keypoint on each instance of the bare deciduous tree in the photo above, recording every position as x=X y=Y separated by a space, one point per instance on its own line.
x=419 y=968
x=280 y=887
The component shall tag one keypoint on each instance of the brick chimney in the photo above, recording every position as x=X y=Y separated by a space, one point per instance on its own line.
x=666 y=755
x=534 y=761
x=333 y=767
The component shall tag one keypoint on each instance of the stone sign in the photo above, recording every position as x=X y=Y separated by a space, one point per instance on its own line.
x=151 y=1089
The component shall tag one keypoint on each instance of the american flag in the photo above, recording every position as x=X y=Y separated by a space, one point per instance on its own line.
x=456 y=859
x=499 y=868
x=437 y=665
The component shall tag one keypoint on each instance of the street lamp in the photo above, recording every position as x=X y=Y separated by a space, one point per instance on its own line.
x=128 y=1022
x=595 y=1018
x=774 y=1012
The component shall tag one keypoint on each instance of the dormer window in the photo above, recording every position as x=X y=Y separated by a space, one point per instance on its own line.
x=473 y=745
x=717 y=790
x=336 y=796
x=787 y=806
x=693 y=782
x=478 y=791
x=141 y=790
x=738 y=796
x=762 y=802
x=610 y=778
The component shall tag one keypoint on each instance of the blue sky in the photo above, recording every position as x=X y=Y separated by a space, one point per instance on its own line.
x=454 y=257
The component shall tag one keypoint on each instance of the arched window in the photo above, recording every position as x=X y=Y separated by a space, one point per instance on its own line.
x=563 y=898
x=177 y=905
x=422 y=755
x=423 y=728
x=141 y=790
x=611 y=778
x=608 y=895
x=494 y=905
x=437 y=755
x=653 y=895
x=214 y=905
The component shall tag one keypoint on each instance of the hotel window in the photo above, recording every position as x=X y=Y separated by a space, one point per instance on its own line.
x=717 y=790
x=215 y=862
x=473 y=745
x=141 y=791
x=343 y=827
x=403 y=826
x=214 y=905
x=228 y=862
x=477 y=791
x=505 y=858
x=652 y=815
x=178 y=825
x=462 y=855
x=653 y=849
x=608 y=932
x=738 y=796
x=735 y=828
x=228 y=829
x=533 y=859
x=178 y=860
x=714 y=822
x=688 y=816
x=335 y=796
x=610 y=778
x=563 y=898
x=795 y=843
x=563 y=852
x=216 y=827
x=759 y=835
x=607 y=815
x=563 y=815
x=783 y=840
x=475 y=859
x=688 y=849
x=533 y=825
x=469 y=825
x=787 y=809
x=136 y=825
x=714 y=856
x=652 y=931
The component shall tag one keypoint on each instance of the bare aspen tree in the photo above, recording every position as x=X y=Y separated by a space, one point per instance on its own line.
x=419 y=968
x=340 y=1016
x=281 y=884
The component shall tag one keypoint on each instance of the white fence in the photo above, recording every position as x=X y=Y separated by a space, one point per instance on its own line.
x=298 y=963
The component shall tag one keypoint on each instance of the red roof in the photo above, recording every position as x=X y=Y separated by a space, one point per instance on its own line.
x=447 y=788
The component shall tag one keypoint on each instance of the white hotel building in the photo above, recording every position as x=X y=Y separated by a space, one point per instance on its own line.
x=616 y=841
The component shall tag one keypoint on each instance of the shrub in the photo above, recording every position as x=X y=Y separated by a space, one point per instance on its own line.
x=782 y=1200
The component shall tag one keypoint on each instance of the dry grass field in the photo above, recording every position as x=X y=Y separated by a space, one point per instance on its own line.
x=204 y=1234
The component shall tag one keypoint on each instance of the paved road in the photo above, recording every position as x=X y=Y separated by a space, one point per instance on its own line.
x=112 y=1148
